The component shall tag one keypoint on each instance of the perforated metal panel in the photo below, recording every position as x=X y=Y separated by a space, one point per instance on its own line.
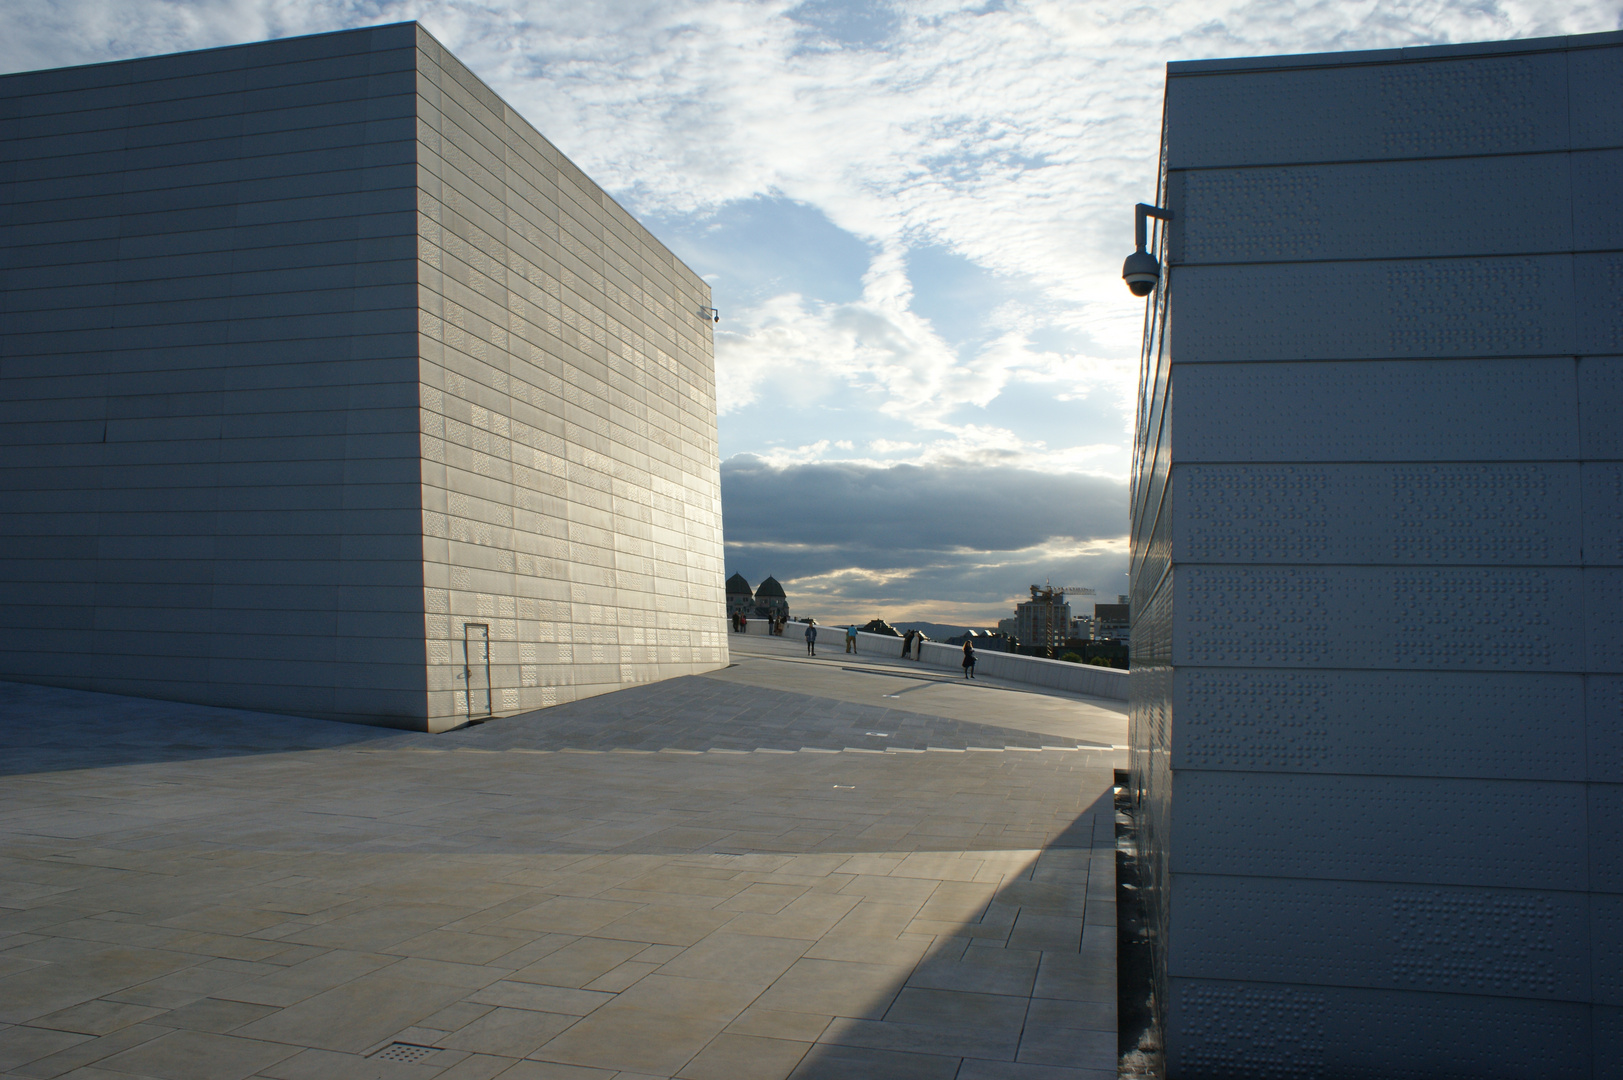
x=1377 y=568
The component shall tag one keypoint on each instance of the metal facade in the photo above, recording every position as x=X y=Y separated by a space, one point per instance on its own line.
x=1377 y=686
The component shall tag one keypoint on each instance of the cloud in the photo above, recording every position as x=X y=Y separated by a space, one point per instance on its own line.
x=952 y=543
x=933 y=508
x=914 y=214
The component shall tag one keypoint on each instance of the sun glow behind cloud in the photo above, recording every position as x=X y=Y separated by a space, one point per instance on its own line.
x=913 y=215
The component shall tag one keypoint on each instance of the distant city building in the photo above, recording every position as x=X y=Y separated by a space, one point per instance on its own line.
x=985 y=640
x=1045 y=619
x=1111 y=621
x=1082 y=626
x=1007 y=627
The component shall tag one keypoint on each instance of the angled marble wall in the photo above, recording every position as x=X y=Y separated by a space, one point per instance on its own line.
x=1378 y=552
x=571 y=472
x=316 y=363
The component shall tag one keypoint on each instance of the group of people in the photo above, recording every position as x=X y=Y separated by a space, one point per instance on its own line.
x=908 y=651
x=912 y=646
x=775 y=623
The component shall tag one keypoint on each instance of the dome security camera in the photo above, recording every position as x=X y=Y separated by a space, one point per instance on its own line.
x=1141 y=271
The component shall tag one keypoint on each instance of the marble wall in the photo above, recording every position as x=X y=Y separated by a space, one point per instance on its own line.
x=570 y=486
x=313 y=353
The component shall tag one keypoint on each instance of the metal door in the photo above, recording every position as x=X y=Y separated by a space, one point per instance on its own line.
x=476 y=667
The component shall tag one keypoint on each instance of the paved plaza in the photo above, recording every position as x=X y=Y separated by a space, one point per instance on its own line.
x=832 y=867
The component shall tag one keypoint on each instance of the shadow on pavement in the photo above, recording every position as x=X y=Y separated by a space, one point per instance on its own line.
x=1024 y=986
x=47 y=729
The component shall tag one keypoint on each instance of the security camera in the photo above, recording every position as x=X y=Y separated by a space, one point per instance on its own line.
x=1141 y=270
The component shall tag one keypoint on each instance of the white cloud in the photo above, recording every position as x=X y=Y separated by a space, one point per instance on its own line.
x=1016 y=137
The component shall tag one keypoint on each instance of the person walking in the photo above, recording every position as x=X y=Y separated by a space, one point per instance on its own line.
x=969 y=659
x=851 y=638
x=811 y=638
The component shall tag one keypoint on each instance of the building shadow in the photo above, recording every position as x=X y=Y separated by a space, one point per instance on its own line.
x=1023 y=985
x=47 y=729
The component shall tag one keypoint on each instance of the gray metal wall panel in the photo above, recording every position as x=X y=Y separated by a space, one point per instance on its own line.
x=1364 y=828
x=1377 y=411
x=1484 y=514
x=1377 y=716
x=1603 y=712
x=1371 y=112
x=1220 y=1029
x=1412 y=308
x=1492 y=725
x=1597 y=113
x=1512 y=205
x=1514 y=943
x=1429 y=618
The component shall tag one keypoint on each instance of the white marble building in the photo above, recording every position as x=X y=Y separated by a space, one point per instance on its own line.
x=328 y=386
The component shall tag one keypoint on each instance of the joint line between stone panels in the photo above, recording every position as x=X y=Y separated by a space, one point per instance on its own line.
x=1450 y=257
x=1238 y=167
x=364 y=99
x=233 y=201
x=235 y=248
x=180 y=142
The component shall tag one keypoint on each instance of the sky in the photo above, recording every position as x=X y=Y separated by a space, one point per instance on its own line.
x=912 y=216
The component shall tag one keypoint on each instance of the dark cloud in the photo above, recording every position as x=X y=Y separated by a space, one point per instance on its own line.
x=935 y=508
x=850 y=538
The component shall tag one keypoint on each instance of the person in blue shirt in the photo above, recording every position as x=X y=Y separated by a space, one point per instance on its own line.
x=851 y=638
x=811 y=638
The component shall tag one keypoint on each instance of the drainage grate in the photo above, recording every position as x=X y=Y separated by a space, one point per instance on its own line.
x=410 y=1053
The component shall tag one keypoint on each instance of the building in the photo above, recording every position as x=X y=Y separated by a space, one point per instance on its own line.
x=764 y=602
x=330 y=387
x=770 y=601
x=1383 y=824
x=740 y=597
x=1044 y=620
x=1113 y=621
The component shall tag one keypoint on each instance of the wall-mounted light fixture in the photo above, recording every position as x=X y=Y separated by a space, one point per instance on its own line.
x=1141 y=271
x=710 y=313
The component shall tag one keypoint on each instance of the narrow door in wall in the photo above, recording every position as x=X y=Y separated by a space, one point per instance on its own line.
x=476 y=667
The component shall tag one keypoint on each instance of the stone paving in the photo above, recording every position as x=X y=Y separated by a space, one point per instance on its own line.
x=786 y=869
